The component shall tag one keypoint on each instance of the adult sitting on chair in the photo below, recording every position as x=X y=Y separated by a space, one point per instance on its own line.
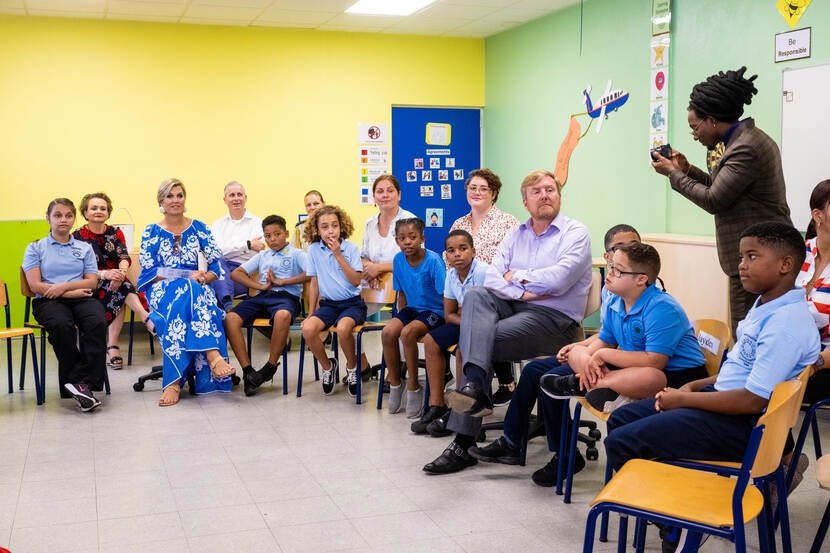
x=239 y=236
x=184 y=311
x=531 y=304
x=62 y=272
x=114 y=289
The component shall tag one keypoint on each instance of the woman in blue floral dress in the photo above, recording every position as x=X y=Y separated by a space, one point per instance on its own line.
x=182 y=305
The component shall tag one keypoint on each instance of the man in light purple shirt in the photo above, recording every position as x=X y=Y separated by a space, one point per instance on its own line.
x=531 y=304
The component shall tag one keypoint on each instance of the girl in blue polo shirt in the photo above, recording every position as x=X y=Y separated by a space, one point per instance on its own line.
x=63 y=272
x=418 y=277
x=335 y=269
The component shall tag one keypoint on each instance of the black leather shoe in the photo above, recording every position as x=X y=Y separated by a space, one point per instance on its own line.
x=268 y=371
x=497 y=452
x=453 y=459
x=253 y=380
x=438 y=427
x=546 y=476
x=471 y=400
x=432 y=412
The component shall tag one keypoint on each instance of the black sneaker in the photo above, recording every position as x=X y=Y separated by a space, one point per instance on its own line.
x=497 y=452
x=502 y=396
x=329 y=377
x=351 y=382
x=561 y=387
x=432 y=413
x=83 y=395
x=251 y=379
x=470 y=400
x=546 y=476
x=453 y=459
x=598 y=397
x=438 y=427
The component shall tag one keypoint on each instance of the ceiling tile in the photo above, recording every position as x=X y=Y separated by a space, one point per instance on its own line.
x=488 y=3
x=425 y=25
x=11 y=4
x=184 y=2
x=546 y=5
x=514 y=15
x=12 y=11
x=56 y=13
x=477 y=28
x=441 y=9
x=349 y=29
x=234 y=3
x=258 y=23
x=151 y=9
x=142 y=17
x=207 y=21
x=67 y=5
x=365 y=21
x=336 y=6
x=222 y=12
x=287 y=17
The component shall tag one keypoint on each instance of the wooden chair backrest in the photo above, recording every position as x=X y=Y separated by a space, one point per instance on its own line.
x=782 y=410
x=4 y=297
x=384 y=294
x=594 y=294
x=718 y=330
x=24 y=285
x=134 y=270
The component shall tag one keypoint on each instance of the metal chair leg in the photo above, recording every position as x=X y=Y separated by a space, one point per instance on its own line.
x=130 y=344
x=300 y=368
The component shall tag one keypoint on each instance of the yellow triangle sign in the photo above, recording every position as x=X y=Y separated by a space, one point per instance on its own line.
x=792 y=10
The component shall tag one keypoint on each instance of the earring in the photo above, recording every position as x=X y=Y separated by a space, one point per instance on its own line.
x=161 y=209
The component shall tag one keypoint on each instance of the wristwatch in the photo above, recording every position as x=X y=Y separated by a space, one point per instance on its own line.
x=249 y=244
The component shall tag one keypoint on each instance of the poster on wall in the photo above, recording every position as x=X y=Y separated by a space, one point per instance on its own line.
x=660 y=83
x=659 y=117
x=372 y=133
x=434 y=217
x=792 y=10
x=660 y=51
x=660 y=17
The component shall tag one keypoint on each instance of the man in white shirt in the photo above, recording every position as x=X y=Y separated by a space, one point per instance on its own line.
x=239 y=236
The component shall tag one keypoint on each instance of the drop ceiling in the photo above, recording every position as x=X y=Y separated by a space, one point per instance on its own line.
x=459 y=18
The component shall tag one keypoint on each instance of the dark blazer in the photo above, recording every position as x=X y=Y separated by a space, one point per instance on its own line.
x=746 y=187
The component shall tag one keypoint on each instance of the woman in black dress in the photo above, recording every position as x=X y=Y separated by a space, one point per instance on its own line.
x=113 y=257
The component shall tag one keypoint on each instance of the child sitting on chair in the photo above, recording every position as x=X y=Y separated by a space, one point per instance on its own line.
x=712 y=418
x=335 y=269
x=281 y=271
x=465 y=271
x=418 y=277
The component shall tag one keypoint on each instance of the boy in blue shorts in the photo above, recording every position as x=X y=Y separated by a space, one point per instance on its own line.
x=712 y=418
x=281 y=271
x=335 y=269
x=645 y=341
x=418 y=276
x=465 y=271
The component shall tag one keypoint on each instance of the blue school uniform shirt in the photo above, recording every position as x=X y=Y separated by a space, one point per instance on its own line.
x=454 y=289
x=656 y=323
x=424 y=284
x=285 y=263
x=331 y=281
x=774 y=343
x=60 y=262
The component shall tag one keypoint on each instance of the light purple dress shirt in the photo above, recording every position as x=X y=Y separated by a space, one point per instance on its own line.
x=556 y=263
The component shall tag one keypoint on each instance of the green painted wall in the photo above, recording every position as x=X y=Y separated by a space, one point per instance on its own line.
x=535 y=76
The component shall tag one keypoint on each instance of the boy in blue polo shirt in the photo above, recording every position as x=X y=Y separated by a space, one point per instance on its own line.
x=465 y=271
x=712 y=418
x=335 y=269
x=645 y=341
x=281 y=271
x=418 y=276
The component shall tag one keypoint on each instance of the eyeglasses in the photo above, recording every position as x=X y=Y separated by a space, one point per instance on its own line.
x=696 y=127
x=616 y=273
x=479 y=189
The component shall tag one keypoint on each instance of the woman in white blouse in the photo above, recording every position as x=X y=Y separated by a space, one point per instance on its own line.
x=379 y=246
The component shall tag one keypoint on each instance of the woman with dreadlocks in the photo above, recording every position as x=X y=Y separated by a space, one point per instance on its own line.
x=744 y=183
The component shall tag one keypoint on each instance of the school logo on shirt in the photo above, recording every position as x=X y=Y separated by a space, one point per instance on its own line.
x=747 y=350
x=78 y=253
x=285 y=264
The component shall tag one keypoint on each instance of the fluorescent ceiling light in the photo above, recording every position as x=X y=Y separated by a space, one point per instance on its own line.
x=388 y=7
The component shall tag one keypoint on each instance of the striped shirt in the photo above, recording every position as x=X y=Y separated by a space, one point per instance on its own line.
x=818 y=298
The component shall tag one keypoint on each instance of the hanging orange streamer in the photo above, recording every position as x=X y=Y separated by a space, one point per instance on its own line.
x=566 y=149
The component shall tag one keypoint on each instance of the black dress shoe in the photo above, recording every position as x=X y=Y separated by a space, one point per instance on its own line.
x=546 y=476
x=438 y=427
x=252 y=380
x=453 y=459
x=470 y=400
x=497 y=452
x=432 y=412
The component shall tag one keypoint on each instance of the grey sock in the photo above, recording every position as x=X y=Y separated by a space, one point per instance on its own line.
x=395 y=397
x=414 y=403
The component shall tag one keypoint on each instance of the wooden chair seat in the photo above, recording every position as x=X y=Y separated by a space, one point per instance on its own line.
x=15 y=332
x=689 y=494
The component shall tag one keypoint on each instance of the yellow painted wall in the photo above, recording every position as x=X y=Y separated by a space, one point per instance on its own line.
x=120 y=106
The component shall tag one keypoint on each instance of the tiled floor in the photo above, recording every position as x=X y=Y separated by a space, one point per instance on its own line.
x=274 y=473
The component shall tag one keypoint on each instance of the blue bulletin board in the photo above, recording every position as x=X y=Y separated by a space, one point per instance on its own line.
x=433 y=150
